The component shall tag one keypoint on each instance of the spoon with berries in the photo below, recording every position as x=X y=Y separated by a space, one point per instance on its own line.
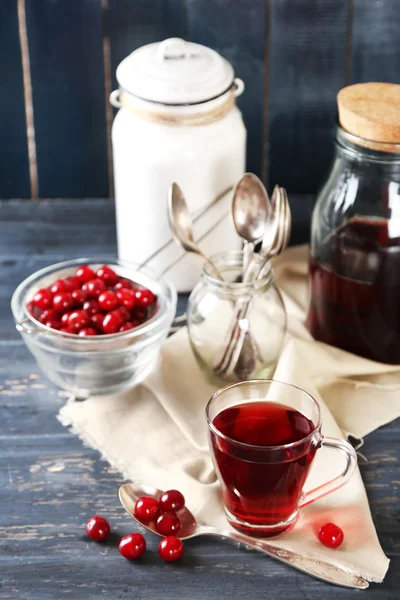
x=165 y=514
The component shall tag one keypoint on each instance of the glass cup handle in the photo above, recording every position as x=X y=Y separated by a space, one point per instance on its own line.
x=337 y=482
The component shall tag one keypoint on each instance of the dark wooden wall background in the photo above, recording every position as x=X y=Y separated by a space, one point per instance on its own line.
x=58 y=61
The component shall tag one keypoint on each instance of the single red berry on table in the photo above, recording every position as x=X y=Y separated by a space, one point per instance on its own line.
x=59 y=286
x=84 y=273
x=126 y=298
x=49 y=315
x=94 y=287
x=172 y=500
x=331 y=535
x=147 y=509
x=132 y=546
x=96 y=321
x=63 y=302
x=112 y=322
x=98 y=528
x=128 y=325
x=91 y=307
x=78 y=297
x=123 y=283
x=108 y=300
x=170 y=548
x=86 y=331
x=107 y=275
x=78 y=319
x=168 y=523
x=72 y=283
x=144 y=298
x=43 y=298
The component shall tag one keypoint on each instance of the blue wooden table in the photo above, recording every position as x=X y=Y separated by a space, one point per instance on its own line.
x=50 y=484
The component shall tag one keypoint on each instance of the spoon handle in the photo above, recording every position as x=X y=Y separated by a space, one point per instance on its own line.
x=316 y=568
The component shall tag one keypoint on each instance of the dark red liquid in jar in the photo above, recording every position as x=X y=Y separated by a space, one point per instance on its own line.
x=355 y=290
x=261 y=485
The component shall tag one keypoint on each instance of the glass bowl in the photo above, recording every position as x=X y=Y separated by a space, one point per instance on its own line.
x=100 y=364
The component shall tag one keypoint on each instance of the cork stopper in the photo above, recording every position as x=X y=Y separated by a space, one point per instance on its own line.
x=372 y=111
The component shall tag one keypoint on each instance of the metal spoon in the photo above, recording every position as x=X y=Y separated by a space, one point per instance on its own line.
x=129 y=493
x=250 y=210
x=182 y=226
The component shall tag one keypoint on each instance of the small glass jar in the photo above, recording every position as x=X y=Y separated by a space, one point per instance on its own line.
x=355 y=250
x=211 y=318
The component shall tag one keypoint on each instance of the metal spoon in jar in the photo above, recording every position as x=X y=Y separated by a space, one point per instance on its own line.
x=129 y=493
x=182 y=226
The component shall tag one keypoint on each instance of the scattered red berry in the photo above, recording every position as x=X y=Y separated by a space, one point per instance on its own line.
x=59 y=286
x=147 y=509
x=112 y=322
x=172 y=500
x=63 y=302
x=107 y=275
x=43 y=299
x=132 y=546
x=98 y=528
x=77 y=320
x=331 y=535
x=84 y=273
x=108 y=300
x=170 y=548
x=144 y=298
x=87 y=331
x=168 y=523
x=94 y=287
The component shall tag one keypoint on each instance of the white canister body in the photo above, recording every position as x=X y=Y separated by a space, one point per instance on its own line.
x=204 y=159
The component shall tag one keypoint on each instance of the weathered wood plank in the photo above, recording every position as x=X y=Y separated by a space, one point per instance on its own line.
x=307 y=60
x=376 y=41
x=237 y=31
x=65 y=43
x=14 y=168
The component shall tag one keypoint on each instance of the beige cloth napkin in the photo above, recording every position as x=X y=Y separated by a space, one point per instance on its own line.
x=156 y=432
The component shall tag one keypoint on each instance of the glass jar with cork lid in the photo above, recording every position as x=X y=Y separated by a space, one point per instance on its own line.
x=355 y=242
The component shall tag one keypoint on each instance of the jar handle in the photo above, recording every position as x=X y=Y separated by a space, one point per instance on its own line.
x=238 y=87
x=114 y=99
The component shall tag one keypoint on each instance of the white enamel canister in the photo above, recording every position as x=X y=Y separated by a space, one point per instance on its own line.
x=177 y=121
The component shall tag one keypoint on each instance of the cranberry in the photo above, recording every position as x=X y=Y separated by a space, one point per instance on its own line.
x=170 y=548
x=129 y=325
x=147 y=509
x=67 y=330
x=331 y=535
x=94 y=287
x=72 y=283
x=43 y=298
x=112 y=322
x=84 y=273
x=168 y=523
x=91 y=307
x=108 y=300
x=98 y=528
x=64 y=318
x=132 y=546
x=52 y=324
x=48 y=315
x=77 y=320
x=126 y=298
x=59 y=286
x=144 y=298
x=96 y=321
x=140 y=314
x=63 y=302
x=78 y=297
x=107 y=275
x=87 y=331
x=125 y=314
x=123 y=283
x=30 y=307
x=172 y=500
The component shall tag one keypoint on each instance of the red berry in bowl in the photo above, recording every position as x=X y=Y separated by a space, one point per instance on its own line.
x=48 y=315
x=125 y=314
x=168 y=523
x=128 y=325
x=43 y=298
x=126 y=298
x=78 y=297
x=94 y=288
x=91 y=307
x=132 y=546
x=98 y=528
x=147 y=509
x=144 y=298
x=77 y=320
x=108 y=300
x=170 y=548
x=172 y=500
x=64 y=318
x=67 y=330
x=107 y=275
x=63 y=302
x=84 y=273
x=52 y=324
x=59 y=286
x=96 y=321
x=72 y=283
x=331 y=535
x=140 y=314
x=112 y=322
x=86 y=331
x=123 y=283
